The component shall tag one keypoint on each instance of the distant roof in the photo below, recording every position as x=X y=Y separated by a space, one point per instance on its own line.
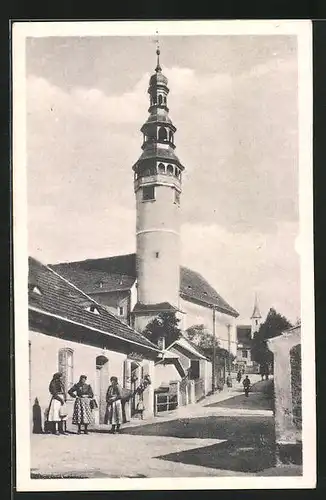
x=161 y=307
x=87 y=275
x=183 y=344
x=53 y=294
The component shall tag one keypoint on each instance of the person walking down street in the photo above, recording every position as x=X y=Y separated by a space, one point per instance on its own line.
x=82 y=408
x=239 y=376
x=246 y=385
x=229 y=381
x=57 y=413
x=114 y=405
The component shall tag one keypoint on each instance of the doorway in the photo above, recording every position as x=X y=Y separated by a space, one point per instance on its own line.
x=101 y=385
x=136 y=377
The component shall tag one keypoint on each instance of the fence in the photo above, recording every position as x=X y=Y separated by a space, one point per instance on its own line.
x=165 y=402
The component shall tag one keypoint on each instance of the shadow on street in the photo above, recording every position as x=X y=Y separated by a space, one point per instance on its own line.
x=259 y=398
x=249 y=445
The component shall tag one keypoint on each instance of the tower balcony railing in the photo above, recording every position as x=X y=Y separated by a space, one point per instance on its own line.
x=157 y=179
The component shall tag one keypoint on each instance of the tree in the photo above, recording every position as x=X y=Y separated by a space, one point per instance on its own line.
x=204 y=339
x=273 y=326
x=164 y=325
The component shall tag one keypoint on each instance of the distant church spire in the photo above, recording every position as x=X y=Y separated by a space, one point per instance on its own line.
x=256 y=312
x=255 y=318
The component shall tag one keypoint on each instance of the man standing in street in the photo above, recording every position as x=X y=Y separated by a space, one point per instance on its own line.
x=246 y=386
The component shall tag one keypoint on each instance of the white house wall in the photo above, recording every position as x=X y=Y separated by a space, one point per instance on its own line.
x=164 y=374
x=44 y=361
x=198 y=315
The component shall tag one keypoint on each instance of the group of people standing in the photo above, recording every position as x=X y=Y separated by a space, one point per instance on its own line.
x=84 y=405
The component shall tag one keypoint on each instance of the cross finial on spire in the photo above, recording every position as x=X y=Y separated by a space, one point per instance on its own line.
x=158 y=67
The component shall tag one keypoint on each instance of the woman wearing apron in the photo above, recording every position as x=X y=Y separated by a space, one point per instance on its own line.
x=57 y=401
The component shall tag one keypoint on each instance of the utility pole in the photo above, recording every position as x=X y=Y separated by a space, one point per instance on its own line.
x=214 y=353
x=229 y=348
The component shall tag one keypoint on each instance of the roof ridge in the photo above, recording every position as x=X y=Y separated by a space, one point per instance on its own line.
x=91 y=260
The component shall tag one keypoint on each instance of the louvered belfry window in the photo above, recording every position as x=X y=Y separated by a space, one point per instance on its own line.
x=66 y=366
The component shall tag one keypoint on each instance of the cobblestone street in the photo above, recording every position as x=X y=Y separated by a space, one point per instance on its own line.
x=224 y=435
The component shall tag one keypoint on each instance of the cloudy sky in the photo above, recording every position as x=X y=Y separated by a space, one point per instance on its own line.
x=233 y=100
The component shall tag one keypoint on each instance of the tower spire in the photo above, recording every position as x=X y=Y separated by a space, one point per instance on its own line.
x=158 y=52
x=255 y=318
x=256 y=311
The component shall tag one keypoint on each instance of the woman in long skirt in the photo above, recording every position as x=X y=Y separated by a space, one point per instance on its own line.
x=58 y=399
x=82 y=408
x=114 y=405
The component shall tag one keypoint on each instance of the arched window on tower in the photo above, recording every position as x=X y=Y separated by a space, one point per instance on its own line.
x=162 y=134
x=170 y=169
x=161 y=168
x=154 y=99
x=164 y=100
x=160 y=99
x=176 y=172
x=171 y=136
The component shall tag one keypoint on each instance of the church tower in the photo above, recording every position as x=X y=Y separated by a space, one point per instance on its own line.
x=255 y=318
x=157 y=186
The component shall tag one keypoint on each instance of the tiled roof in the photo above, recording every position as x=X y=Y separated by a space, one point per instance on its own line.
x=60 y=297
x=159 y=153
x=193 y=287
x=162 y=306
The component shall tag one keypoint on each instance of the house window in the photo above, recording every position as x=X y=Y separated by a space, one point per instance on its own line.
x=256 y=321
x=66 y=366
x=194 y=369
x=176 y=197
x=121 y=311
x=148 y=193
x=244 y=353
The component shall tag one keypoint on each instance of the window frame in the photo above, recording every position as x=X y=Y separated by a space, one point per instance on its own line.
x=64 y=354
x=150 y=187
